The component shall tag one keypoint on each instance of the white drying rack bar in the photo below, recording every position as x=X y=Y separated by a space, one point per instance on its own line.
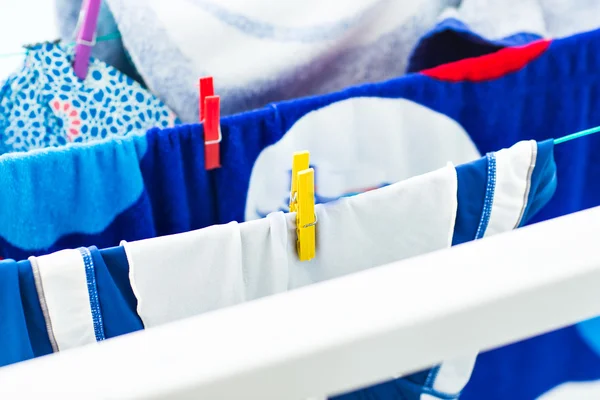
x=348 y=332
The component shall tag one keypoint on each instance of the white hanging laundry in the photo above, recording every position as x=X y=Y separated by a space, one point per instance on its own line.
x=175 y=276
x=186 y=274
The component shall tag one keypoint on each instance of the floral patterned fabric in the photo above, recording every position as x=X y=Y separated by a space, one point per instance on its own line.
x=45 y=104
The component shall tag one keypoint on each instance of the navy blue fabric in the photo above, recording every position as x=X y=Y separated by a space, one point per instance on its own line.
x=117 y=312
x=13 y=327
x=36 y=325
x=451 y=40
x=472 y=182
x=115 y=260
x=527 y=369
x=543 y=180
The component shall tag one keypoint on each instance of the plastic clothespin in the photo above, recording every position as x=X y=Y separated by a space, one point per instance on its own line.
x=300 y=162
x=206 y=89
x=302 y=201
x=90 y=9
x=209 y=108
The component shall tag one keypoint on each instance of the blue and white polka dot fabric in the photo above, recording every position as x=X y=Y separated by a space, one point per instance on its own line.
x=45 y=104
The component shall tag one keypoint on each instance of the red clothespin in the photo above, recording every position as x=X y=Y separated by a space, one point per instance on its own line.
x=210 y=115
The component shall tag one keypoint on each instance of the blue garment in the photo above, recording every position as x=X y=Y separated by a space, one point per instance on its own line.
x=24 y=334
x=45 y=104
x=452 y=40
x=14 y=337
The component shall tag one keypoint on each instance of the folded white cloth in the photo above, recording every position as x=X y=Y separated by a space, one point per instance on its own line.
x=182 y=275
x=186 y=274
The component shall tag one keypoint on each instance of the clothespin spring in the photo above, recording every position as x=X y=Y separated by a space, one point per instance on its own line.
x=311 y=223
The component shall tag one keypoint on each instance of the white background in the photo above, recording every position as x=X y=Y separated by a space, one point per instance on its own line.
x=23 y=22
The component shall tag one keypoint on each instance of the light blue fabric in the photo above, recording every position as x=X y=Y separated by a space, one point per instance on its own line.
x=46 y=104
x=71 y=186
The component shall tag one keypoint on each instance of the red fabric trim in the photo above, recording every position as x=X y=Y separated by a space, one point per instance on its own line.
x=490 y=66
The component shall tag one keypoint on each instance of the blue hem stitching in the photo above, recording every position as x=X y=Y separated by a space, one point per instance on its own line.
x=90 y=276
x=489 y=196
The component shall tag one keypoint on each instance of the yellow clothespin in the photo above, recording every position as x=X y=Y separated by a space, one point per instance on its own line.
x=301 y=161
x=302 y=201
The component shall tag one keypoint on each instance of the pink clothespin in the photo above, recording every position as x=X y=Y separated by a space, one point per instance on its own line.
x=210 y=107
x=86 y=37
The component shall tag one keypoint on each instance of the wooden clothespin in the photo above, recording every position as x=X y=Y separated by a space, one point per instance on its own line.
x=302 y=201
x=209 y=108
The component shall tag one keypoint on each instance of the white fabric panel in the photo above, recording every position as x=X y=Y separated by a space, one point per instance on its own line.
x=177 y=276
x=453 y=375
x=573 y=391
x=67 y=298
x=402 y=220
x=265 y=257
x=514 y=167
x=358 y=143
